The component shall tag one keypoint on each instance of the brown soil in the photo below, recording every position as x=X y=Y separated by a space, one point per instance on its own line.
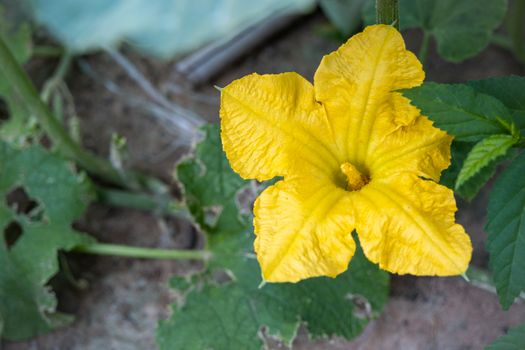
x=125 y=297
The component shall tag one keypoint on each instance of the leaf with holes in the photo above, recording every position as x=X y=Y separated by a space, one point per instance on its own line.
x=461 y=111
x=485 y=154
x=513 y=340
x=234 y=314
x=42 y=195
x=450 y=23
x=506 y=231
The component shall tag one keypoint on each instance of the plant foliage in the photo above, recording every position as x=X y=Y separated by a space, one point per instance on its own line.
x=234 y=314
x=450 y=23
x=27 y=305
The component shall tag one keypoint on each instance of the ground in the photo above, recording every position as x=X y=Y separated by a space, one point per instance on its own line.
x=122 y=299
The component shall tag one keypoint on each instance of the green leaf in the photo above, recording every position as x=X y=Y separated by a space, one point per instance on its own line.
x=484 y=153
x=513 y=340
x=27 y=306
x=461 y=28
x=469 y=189
x=344 y=14
x=506 y=231
x=461 y=111
x=509 y=90
x=458 y=153
x=232 y=314
x=163 y=28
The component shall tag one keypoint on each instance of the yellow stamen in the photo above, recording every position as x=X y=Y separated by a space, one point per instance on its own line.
x=355 y=180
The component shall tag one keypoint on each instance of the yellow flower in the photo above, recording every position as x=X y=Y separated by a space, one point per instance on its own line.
x=354 y=155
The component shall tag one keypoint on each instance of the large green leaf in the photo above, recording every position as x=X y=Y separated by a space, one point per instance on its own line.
x=513 y=340
x=461 y=111
x=233 y=314
x=506 y=231
x=461 y=28
x=163 y=27
x=27 y=306
x=509 y=90
x=344 y=14
x=485 y=155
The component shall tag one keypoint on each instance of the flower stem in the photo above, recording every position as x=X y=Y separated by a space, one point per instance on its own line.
x=502 y=40
x=482 y=279
x=159 y=204
x=423 y=50
x=18 y=79
x=143 y=253
x=387 y=12
x=46 y=51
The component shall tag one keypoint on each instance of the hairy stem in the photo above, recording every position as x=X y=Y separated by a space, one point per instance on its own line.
x=482 y=279
x=143 y=253
x=159 y=204
x=387 y=12
x=46 y=51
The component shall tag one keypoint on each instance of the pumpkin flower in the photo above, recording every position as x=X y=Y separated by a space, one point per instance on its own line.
x=354 y=154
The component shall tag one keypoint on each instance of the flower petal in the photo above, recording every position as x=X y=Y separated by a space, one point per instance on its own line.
x=303 y=230
x=357 y=79
x=406 y=224
x=271 y=126
x=405 y=141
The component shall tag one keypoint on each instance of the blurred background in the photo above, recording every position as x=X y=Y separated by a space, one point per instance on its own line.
x=146 y=70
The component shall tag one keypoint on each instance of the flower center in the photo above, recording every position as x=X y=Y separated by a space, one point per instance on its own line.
x=354 y=178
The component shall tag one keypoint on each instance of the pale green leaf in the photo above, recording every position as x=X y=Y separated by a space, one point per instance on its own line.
x=513 y=340
x=27 y=306
x=461 y=28
x=163 y=28
x=461 y=111
x=482 y=154
x=506 y=231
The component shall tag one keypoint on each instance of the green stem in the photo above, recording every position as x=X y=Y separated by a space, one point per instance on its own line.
x=18 y=79
x=502 y=41
x=159 y=204
x=387 y=12
x=46 y=51
x=515 y=27
x=482 y=279
x=143 y=253
x=423 y=50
